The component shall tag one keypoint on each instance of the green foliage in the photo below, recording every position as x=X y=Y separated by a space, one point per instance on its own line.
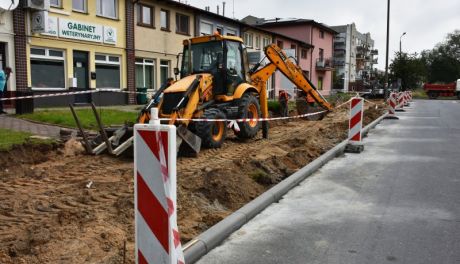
x=274 y=106
x=410 y=68
x=64 y=117
x=439 y=65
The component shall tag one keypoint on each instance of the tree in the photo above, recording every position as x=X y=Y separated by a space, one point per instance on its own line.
x=443 y=62
x=410 y=68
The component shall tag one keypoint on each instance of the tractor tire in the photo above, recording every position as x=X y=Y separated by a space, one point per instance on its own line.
x=248 y=107
x=212 y=134
x=306 y=108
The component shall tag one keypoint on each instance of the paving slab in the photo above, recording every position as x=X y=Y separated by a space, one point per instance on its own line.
x=396 y=202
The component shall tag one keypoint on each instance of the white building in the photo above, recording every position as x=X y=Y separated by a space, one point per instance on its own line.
x=353 y=58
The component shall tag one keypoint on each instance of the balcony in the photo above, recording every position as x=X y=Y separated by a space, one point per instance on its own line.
x=338 y=46
x=374 y=52
x=340 y=40
x=375 y=61
x=323 y=64
x=339 y=63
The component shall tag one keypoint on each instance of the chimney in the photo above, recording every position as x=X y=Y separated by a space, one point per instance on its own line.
x=218 y=9
x=223 y=8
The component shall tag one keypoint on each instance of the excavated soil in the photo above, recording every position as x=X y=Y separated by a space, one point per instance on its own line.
x=61 y=206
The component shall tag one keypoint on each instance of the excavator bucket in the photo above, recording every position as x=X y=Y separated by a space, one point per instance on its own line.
x=191 y=140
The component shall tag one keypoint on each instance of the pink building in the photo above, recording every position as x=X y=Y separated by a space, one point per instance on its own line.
x=300 y=51
x=320 y=57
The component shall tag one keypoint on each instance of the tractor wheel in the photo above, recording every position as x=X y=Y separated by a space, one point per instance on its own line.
x=212 y=134
x=306 y=108
x=248 y=107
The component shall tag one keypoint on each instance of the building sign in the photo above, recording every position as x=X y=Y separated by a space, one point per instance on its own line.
x=80 y=30
x=110 y=35
x=39 y=21
x=52 y=27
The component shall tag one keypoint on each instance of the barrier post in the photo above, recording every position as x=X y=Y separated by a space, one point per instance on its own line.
x=406 y=98
x=157 y=236
x=400 y=102
x=392 y=99
x=355 y=144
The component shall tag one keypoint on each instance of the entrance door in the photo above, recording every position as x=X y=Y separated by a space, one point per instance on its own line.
x=81 y=72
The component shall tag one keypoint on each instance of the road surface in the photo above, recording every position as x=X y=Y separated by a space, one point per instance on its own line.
x=397 y=202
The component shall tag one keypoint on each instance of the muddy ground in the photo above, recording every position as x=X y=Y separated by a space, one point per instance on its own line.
x=61 y=206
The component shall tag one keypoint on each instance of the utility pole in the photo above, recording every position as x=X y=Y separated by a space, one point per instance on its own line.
x=388 y=43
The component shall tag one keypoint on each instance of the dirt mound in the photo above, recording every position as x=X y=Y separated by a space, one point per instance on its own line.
x=60 y=206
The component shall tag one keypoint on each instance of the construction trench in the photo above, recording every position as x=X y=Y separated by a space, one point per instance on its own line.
x=60 y=205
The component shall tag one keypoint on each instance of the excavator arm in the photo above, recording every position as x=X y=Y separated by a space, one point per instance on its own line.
x=280 y=61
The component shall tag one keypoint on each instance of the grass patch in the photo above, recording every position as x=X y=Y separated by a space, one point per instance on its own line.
x=9 y=138
x=64 y=117
x=419 y=94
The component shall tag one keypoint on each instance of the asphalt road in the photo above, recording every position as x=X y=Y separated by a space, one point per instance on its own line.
x=397 y=202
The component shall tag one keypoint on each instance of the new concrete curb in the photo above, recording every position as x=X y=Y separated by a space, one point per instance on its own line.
x=212 y=237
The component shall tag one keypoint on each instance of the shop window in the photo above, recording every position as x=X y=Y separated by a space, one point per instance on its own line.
x=182 y=24
x=164 y=19
x=56 y=3
x=164 y=71
x=47 y=68
x=205 y=28
x=79 y=5
x=145 y=16
x=107 y=71
x=145 y=73
x=248 y=39
x=107 y=8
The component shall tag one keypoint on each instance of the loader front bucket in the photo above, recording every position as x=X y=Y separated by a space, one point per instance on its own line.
x=187 y=140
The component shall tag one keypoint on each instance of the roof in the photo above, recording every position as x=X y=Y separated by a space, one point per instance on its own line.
x=231 y=20
x=295 y=21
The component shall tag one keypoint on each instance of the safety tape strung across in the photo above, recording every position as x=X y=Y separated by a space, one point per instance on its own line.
x=48 y=95
x=68 y=93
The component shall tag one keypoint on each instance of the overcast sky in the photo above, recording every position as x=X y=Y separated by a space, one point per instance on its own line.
x=426 y=22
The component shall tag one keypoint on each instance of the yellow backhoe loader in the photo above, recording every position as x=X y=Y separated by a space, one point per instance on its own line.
x=216 y=83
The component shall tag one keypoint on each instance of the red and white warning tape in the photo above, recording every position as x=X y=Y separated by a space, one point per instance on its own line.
x=69 y=93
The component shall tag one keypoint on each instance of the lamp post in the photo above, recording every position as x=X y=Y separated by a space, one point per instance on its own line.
x=400 y=43
x=388 y=42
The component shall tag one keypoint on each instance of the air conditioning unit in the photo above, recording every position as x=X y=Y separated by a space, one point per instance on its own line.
x=38 y=4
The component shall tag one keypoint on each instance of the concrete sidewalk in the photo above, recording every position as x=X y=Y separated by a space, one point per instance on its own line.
x=16 y=124
x=397 y=202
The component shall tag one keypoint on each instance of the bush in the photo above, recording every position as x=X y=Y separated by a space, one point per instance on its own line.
x=274 y=106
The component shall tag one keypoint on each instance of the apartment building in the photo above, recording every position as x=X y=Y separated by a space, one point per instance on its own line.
x=317 y=35
x=160 y=29
x=354 y=57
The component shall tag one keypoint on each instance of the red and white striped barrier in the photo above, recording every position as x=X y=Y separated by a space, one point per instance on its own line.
x=157 y=235
x=400 y=102
x=355 y=126
x=392 y=102
x=356 y=119
x=406 y=98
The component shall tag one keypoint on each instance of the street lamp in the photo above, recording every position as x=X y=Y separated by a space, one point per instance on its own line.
x=400 y=45
x=387 y=48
